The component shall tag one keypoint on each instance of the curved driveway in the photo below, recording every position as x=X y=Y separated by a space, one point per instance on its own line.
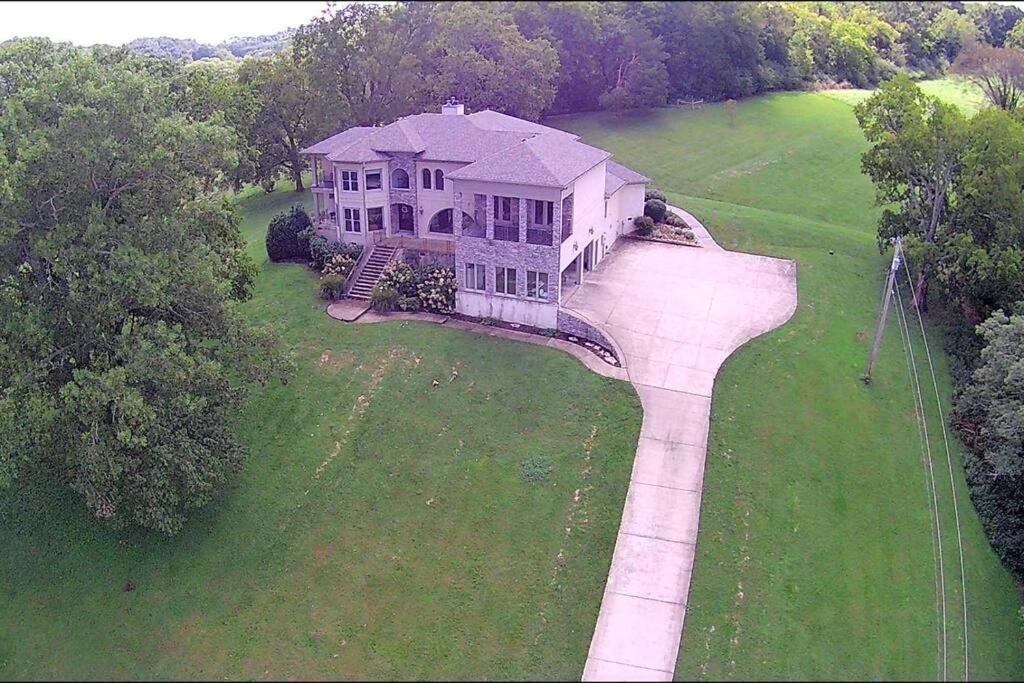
x=676 y=313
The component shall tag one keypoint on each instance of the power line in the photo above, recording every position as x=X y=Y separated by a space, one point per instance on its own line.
x=929 y=477
x=949 y=460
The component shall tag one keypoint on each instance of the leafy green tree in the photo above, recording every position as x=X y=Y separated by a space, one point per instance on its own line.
x=123 y=358
x=994 y=20
x=291 y=115
x=481 y=58
x=917 y=142
x=368 y=58
x=989 y=415
x=633 y=64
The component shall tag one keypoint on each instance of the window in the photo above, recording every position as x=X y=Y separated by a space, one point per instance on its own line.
x=476 y=276
x=352 y=220
x=438 y=179
x=426 y=179
x=374 y=217
x=543 y=213
x=400 y=179
x=442 y=222
x=505 y=280
x=373 y=180
x=350 y=181
x=536 y=285
x=502 y=208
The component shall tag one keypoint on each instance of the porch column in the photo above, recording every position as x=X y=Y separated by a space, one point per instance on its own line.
x=490 y=217
x=521 y=219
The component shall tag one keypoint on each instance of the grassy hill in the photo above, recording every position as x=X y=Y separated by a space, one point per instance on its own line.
x=815 y=555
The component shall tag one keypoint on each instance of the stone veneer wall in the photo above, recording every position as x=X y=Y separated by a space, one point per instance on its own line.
x=494 y=253
x=407 y=163
x=570 y=324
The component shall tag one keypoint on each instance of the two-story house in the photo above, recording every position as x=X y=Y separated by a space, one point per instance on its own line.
x=523 y=211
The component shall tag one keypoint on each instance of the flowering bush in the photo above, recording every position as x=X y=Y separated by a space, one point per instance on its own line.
x=339 y=265
x=437 y=290
x=384 y=298
x=398 y=276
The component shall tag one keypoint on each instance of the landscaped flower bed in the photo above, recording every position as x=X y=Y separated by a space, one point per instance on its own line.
x=602 y=352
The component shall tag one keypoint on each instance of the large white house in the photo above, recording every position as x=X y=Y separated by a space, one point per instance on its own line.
x=521 y=210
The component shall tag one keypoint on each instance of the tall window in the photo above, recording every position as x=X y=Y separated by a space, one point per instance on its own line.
x=352 y=221
x=373 y=180
x=426 y=179
x=438 y=179
x=350 y=181
x=400 y=179
x=536 y=285
x=543 y=213
x=505 y=280
x=375 y=218
x=476 y=276
x=502 y=208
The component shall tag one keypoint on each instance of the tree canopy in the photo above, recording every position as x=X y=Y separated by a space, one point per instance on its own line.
x=122 y=355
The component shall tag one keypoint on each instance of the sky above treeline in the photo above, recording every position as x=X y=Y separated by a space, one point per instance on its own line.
x=116 y=23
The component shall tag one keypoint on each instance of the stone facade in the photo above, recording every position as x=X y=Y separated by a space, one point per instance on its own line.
x=570 y=324
x=396 y=195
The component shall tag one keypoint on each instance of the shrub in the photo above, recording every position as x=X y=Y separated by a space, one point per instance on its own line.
x=268 y=184
x=339 y=265
x=656 y=209
x=320 y=251
x=655 y=194
x=383 y=298
x=398 y=275
x=644 y=225
x=409 y=303
x=437 y=290
x=535 y=469
x=688 y=235
x=674 y=220
x=283 y=234
x=332 y=287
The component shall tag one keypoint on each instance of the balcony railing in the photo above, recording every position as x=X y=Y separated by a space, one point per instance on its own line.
x=325 y=183
x=539 y=235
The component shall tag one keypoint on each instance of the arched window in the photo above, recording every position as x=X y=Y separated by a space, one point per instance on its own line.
x=426 y=179
x=442 y=222
x=400 y=179
x=438 y=179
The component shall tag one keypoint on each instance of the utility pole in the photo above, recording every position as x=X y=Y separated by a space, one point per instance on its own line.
x=886 y=300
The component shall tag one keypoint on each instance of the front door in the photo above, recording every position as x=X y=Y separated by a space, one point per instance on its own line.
x=405 y=218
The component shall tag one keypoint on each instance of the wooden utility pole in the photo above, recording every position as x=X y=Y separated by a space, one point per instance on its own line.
x=886 y=300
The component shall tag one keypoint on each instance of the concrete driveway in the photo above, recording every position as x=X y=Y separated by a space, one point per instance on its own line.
x=676 y=313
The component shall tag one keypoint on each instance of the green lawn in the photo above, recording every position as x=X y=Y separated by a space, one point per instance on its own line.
x=815 y=557
x=958 y=91
x=418 y=552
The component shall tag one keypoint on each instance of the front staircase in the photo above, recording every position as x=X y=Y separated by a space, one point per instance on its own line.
x=368 y=276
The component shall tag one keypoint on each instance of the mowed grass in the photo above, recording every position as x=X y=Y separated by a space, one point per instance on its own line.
x=964 y=94
x=815 y=556
x=381 y=528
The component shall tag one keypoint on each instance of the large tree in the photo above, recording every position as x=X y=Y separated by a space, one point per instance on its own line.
x=480 y=57
x=917 y=143
x=291 y=113
x=123 y=358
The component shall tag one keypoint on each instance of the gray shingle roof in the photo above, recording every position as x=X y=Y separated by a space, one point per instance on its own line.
x=548 y=160
x=496 y=147
x=618 y=175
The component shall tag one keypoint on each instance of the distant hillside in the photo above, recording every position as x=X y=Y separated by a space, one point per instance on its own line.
x=189 y=50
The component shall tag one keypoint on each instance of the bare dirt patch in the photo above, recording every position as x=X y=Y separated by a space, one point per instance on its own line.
x=335 y=360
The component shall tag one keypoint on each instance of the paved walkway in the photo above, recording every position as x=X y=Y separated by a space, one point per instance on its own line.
x=676 y=313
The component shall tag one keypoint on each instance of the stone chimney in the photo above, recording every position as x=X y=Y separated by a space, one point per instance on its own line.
x=452 y=106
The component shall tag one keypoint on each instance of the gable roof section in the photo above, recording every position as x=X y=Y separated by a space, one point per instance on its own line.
x=488 y=119
x=548 y=160
x=618 y=175
x=400 y=136
x=339 y=142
